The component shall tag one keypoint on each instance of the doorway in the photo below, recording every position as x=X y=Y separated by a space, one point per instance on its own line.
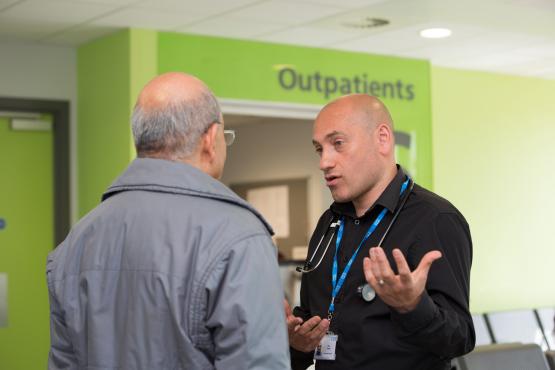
x=34 y=217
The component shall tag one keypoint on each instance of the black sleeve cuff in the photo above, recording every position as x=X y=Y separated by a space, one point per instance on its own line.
x=300 y=360
x=418 y=318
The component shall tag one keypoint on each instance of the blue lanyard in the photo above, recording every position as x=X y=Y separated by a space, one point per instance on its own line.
x=337 y=285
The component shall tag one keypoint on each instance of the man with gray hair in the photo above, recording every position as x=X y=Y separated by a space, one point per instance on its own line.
x=172 y=270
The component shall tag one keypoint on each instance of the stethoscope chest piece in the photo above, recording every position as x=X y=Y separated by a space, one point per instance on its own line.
x=367 y=292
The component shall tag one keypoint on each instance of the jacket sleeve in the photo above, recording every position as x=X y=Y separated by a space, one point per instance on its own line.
x=61 y=354
x=302 y=360
x=441 y=323
x=245 y=307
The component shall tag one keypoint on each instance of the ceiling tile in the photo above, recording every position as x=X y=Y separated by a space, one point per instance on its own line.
x=347 y=4
x=310 y=36
x=205 y=7
x=116 y=3
x=483 y=46
x=288 y=12
x=540 y=4
x=489 y=61
x=232 y=27
x=79 y=35
x=534 y=67
x=6 y=3
x=24 y=29
x=144 y=18
x=407 y=38
x=541 y=50
x=57 y=11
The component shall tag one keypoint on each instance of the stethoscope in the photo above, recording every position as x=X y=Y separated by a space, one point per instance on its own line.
x=366 y=291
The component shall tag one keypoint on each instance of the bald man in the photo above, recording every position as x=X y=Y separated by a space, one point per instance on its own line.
x=399 y=305
x=172 y=270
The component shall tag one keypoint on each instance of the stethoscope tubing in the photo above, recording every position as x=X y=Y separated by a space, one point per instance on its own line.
x=306 y=269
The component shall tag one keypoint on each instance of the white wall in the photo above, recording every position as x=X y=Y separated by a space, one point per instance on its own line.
x=275 y=150
x=43 y=72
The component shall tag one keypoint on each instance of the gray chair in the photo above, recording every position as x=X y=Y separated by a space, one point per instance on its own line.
x=457 y=364
x=483 y=335
x=519 y=326
x=550 y=356
x=547 y=319
x=508 y=356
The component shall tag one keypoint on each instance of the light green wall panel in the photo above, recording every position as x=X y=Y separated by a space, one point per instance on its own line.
x=111 y=71
x=271 y=72
x=494 y=150
x=143 y=65
x=103 y=115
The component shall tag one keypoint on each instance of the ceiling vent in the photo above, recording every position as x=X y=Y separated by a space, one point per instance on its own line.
x=367 y=23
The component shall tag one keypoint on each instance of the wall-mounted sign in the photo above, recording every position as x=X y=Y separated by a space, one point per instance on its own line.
x=265 y=72
x=334 y=86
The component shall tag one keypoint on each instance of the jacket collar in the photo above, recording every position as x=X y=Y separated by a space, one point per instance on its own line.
x=165 y=176
x=388 y=199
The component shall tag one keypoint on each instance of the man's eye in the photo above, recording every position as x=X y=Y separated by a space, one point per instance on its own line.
x=338 y=142
x=318 y=150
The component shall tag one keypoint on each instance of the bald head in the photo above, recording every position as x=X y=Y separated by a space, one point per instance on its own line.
x=171 y=113
x=170 y=88
x=360 y=108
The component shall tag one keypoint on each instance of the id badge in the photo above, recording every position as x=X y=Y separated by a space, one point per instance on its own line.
x=326 y=348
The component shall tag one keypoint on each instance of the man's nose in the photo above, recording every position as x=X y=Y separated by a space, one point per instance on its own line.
x=326 y=161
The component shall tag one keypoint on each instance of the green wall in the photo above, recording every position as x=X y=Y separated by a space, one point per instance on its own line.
x=266 y=72
x=27 y=205
x=492 y=135
x=494 y=150
x=111 y=71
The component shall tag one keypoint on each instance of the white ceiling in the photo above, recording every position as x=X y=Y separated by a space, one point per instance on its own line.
x=507 y=36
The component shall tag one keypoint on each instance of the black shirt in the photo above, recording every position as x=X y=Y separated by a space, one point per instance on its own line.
x=371 y=335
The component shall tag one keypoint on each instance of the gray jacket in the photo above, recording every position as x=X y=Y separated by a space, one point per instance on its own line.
x=171 y=271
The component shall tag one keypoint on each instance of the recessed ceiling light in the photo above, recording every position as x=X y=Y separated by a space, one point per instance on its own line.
x=435 y=33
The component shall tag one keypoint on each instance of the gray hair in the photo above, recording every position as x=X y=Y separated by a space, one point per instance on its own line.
x=174 y=129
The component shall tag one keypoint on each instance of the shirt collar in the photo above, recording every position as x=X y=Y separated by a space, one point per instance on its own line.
x=388 y=199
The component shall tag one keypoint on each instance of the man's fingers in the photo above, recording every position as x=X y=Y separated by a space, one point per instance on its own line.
x=293 y=321
x=427 y=260
x=402 y=266
x=308 y=325
x=385 y=271
x=374 y=264
x=366 y=266
x=319 y=331
x=287 y=308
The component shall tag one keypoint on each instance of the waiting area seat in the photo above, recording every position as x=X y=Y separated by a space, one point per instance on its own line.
x=483 y=335
x=507 y=356
x=520 y=326
x=550 y=356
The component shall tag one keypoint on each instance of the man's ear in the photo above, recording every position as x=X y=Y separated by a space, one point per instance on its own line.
x=385 y=138
x=208 y=143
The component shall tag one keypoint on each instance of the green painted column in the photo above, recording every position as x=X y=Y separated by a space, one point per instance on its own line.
x=111 y=71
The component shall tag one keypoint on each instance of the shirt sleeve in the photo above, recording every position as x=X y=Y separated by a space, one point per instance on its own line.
x=302 y=360
x=62 y=355
x=245 y=308
x=441 y=323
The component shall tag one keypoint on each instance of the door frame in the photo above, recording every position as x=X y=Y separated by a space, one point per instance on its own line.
x=59 y=110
